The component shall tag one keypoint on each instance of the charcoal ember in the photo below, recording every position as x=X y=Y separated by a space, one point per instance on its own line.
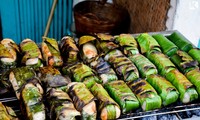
x=173 y=117
x=163 y=117
x=196 y=112
x=149 y=118
x=189 y=114
x=182 y=115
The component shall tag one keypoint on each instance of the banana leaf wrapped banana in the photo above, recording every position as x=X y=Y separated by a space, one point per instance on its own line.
x=31 y=54
x=179 y=40
x=144 y=66
x=147 y=43
x=104 y=70
x=164 y=88
x=146 y=94
x=7 y=113
x=195 y=54
x=122 y=65
x=108 y=108
x=8 y=54
x=183 y=61
x=128 y=43
x=69 y=50
x=167 y=47
x=161 y=61
x=183 y=85
x=194 y=77
x=83 y=100
x=105 y=43
x=88 y=49
x=83 y=73
x=51 y=52
x=123 y=95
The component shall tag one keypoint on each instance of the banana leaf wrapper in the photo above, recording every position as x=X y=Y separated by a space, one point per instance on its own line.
x=32 y=101
x=144 y=66
x=161 y=61
x=194 y=77
x=128 y=44
x=8 y=54
x=183 y=61
x=7 y=113
x=195 y=54
x=183 y=85
x=182 y=42
x=105 y=43
x=31 y=54
x=61 y=106
x=19 y=77
x=164 y=88
x=51 y=52
x=167 y=47
x=122 y=65
x=105 y=102
x=69 y=50
x=104 y=70
x=123 y=95
x=83 y=100
x=146 y=94
x=147 y=43
x=83 y=73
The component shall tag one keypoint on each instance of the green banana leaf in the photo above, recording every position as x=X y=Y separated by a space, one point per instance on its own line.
x=195 y=54
x=81 y=96
x=7 y=113
x=161 y=61
x=128 y=44
x=194 y=77
x=183 y=85
x=104 y=70
x=69 y=50
x=61 y=106
x=144 y=66
x=164 y=88
x=123 y=95
x=30 y=51
x=183 y=61
x=167 y=47
x=147 y=43
x=179 y=40
x=105 y=101
x=51 y=52
x=146 y=94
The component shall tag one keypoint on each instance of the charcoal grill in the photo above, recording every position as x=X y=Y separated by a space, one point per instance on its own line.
x=176 y=111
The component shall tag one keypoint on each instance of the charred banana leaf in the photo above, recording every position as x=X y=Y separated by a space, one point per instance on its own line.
x=195 y=54
x=32 y=100
x=183 y=85
x=62 y=107
x=69 y=50
x=146 y=94
x=104 y=70
x=183 y=61
x=164 y=88
x=147 y=43
x=31 y=54
x=179 y=40
x=8 y=54
x=105 y=43
x=123 y=95
x=83 y=73
x=83 y=100
x=88 y=49
x=168 y=47
x=51 y=52
x=194 y=77
x=122 y=65
x=107 y=108
x=128 y=43
x=7 y=113
x=161 y=61
x=144 y=66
